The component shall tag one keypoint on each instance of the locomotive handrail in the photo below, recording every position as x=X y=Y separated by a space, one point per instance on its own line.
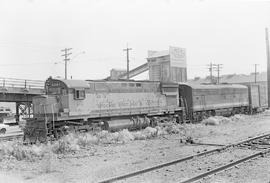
x=21 y=83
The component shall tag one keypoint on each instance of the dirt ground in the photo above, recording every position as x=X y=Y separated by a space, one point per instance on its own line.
x=102 y=161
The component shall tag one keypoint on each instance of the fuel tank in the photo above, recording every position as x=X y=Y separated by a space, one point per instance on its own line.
x=131 y=124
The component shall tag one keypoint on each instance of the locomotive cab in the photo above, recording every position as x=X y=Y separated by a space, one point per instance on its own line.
x=60 y=93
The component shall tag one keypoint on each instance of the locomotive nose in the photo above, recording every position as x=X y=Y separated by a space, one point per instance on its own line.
x=45 y=105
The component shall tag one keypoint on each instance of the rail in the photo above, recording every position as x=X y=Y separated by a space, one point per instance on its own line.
x=11 y=137
x=142 y=171
x=21 y=83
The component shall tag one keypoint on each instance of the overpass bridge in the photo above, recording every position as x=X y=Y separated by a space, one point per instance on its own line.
x=21 y=92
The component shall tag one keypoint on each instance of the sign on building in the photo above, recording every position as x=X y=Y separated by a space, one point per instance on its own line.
x=178 y=57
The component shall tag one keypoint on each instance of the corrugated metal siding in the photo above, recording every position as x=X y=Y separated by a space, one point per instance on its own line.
x=178 y=74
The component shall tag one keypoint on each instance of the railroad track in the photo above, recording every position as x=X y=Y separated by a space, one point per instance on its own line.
x=11 y=137
x=259 y=143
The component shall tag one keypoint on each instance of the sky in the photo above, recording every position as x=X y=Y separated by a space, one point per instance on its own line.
x=33 y=33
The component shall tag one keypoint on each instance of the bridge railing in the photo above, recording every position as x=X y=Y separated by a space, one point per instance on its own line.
x=21 y=83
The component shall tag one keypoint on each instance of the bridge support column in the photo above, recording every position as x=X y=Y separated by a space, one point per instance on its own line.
x=17 y=116
x=24 y=109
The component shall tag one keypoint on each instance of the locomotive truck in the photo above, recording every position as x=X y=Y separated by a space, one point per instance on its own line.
x=114 y=105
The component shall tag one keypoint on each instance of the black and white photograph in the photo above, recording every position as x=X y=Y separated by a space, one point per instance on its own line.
x=134 y=91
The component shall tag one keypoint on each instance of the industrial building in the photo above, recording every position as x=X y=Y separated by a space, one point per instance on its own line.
x=165 y=66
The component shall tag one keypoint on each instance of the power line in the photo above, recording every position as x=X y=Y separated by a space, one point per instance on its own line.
x=66 y=59
x=127 y=50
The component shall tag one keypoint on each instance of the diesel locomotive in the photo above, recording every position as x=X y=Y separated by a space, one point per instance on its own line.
x=110 y=105
x=114 y=105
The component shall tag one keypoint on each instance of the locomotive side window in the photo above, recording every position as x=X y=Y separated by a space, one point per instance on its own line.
x=79 y=94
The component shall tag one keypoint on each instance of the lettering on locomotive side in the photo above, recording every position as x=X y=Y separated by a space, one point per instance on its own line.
x=123 y=103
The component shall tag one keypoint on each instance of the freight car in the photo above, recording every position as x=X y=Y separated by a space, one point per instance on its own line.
x=111 y=105
x=204 y=100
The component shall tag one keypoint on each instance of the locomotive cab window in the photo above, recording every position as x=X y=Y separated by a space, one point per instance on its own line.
x=79 y=94
x=138 y=85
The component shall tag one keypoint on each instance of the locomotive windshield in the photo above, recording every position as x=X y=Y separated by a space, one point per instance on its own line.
x=55 y=87
x=54 y=90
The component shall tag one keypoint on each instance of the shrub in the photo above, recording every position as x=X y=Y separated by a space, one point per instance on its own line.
x=68 y=143
x=87 y=140
x=20 y=152
x=211 y=121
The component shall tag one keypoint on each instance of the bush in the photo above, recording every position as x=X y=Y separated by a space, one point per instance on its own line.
x=150 y=132
x=20 y=152
x=238 y=117
x=173 y=129
x=68 y=143
x=139 y=135
x=73 y=142
x=211 y=121
x=87 y=140
x=216 y=120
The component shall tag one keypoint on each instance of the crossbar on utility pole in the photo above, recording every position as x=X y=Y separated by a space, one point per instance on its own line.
x=66 y=59
x=127 y=50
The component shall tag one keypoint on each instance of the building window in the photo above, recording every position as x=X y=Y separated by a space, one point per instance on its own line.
x=79 y=94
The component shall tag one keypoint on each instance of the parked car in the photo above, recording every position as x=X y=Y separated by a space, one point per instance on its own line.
x=3 y=128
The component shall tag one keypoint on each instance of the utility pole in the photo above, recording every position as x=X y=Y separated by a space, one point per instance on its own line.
x=211 y=72
x=66 y=59
x=127 y=50
x=218 y=68
x=268 y=65
x=256 y=72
